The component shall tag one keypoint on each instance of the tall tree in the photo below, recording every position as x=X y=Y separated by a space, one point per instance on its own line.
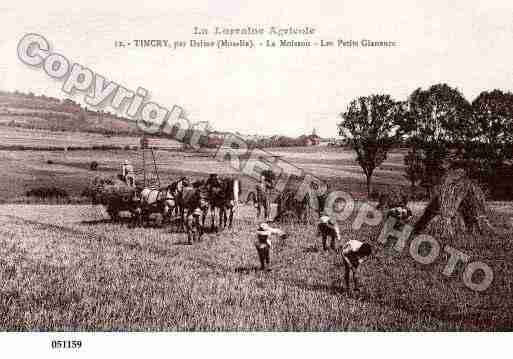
x=491 y=152
x=493 y=122
x=438 y=120
x=414 y=167
x=369 y=125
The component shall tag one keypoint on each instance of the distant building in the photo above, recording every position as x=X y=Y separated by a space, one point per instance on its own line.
x=215 y=139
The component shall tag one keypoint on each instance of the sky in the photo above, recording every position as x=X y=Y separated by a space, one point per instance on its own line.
x=290 y=91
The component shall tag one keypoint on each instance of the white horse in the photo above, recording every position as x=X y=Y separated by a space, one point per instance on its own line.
x=161 y=201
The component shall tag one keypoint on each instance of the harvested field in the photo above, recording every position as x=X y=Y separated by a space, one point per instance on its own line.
x=68 y=268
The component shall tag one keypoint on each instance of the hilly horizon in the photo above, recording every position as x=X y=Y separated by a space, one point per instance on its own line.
x=49 y=113
x=40 y=112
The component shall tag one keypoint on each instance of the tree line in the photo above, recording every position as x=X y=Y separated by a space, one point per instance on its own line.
x=441 y=129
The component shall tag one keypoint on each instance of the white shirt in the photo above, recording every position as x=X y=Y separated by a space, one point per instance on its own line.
x=268 y=232
x=352 y=245
x=127 y=169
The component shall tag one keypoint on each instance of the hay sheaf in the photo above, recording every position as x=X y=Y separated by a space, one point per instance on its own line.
x=458 y=206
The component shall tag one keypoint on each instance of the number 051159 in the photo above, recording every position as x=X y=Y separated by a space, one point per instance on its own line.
x=66 y=344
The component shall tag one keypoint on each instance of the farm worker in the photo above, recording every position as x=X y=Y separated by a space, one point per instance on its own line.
x=263 y=243
x=401 y=215
x=353 y=254
x=263 y=196
x=328 y=228
x=127 y=171
x=194 y=230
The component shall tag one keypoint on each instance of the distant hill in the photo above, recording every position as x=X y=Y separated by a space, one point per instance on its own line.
x=41 y=112
x=49 y=113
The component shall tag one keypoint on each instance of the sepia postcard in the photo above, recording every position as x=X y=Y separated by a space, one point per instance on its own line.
x=191 y=172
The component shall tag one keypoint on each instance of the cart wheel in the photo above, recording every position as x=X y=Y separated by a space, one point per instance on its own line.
x=113 y=214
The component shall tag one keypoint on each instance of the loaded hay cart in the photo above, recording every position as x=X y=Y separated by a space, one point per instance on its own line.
x=115 y=195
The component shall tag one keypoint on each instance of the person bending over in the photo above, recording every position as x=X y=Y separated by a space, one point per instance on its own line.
x=353 y=254
x=328 y=228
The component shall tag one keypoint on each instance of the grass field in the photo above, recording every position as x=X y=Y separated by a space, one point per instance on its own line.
x=38 y=139
x=67 y=267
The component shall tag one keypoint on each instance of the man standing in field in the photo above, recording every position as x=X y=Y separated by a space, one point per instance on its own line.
x=127 y=171
x=263 y=194
x=263 y=244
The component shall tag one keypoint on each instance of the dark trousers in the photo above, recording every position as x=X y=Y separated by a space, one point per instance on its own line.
x=325 y=240
x=263 y=255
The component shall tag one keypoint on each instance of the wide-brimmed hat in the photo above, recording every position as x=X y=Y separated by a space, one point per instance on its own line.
x=197 y=212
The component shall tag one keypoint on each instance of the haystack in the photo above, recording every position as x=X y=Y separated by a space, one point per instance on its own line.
x=459 y=205
x=111 y=191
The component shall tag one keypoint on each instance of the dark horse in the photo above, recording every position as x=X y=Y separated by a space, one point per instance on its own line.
x=224 y=196
x=190 y=198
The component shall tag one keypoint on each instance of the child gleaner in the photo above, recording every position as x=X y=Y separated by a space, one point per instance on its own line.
x=353 y=254
x=353 y=251
x=263 y=243
x=193 y=226
x=328 y=228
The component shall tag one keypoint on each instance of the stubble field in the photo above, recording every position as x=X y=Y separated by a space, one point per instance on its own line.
x=67 y=267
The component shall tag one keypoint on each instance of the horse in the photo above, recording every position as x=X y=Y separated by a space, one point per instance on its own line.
x=175 y=188
x=216 y=194
x=191 y=198
x=226 y=199
x=160 y=200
